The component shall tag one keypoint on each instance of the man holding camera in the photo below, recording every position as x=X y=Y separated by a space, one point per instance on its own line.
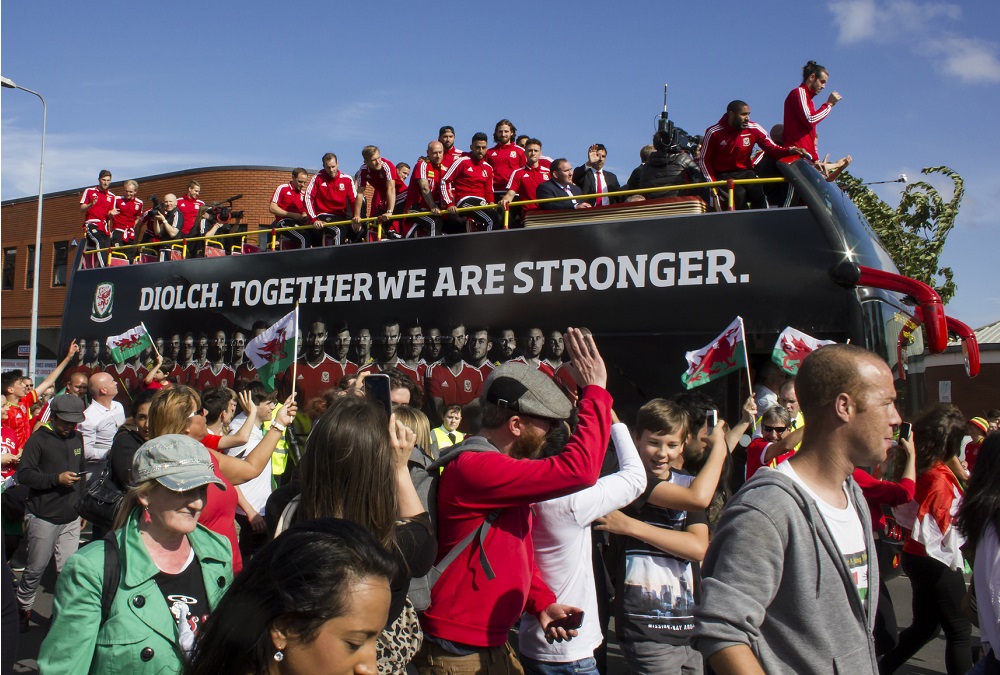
x=168 y=221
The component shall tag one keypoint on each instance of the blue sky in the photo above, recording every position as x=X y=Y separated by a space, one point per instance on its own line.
x=146 y=88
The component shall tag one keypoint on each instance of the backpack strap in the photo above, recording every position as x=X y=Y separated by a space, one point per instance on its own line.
x=112 y=574
x=480 y=534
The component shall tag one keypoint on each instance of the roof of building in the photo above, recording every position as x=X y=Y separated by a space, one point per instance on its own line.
x=990 y=333
x=170 y=174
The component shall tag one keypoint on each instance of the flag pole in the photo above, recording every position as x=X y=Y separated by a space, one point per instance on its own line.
x=746 y=362
x=152 y=342
x=295 y=343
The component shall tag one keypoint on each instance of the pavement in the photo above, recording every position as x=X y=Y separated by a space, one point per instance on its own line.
x=928 y=661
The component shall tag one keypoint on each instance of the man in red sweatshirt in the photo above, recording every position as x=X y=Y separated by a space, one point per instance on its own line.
x=726 y=150
x=486 y=490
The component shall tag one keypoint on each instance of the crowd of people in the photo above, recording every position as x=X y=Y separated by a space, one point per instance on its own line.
x=446 y=179
x=253 y=536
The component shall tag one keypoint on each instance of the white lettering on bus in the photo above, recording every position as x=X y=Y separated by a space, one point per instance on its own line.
x=494 y=279
x=445 y=283
x=471 y=276
x=416 y=287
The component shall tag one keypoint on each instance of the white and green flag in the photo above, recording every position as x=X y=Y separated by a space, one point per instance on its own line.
x=130 y=343
x=273 y=351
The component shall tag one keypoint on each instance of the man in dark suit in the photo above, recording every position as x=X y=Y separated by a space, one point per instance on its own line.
x=593 y=179
x=560 y=185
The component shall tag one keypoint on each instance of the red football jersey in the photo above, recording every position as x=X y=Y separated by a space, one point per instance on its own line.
x=454 y=389
x=100 y=210
x=128 y=211
x=209 y=377
x=505 y=160
x=449 y=157
x=466 y=178
x=430 y=173
x=525 y=182
x=189 y=208
x=289 y=198
x=312 y=381
x=379 y=179
x=330 y=195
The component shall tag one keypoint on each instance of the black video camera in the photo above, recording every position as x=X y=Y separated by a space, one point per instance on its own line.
x=157 y=206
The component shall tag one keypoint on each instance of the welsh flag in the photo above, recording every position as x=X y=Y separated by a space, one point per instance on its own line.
x=270 y=352
x=726 y=354
x=792 y=347
x=129 y=344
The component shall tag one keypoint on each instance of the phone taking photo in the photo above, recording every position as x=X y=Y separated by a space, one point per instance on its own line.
x=904 y=430
x=711 y=418
x=569 y=622
x=377 y=391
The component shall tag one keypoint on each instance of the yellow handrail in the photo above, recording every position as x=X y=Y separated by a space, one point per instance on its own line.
x=465 y=209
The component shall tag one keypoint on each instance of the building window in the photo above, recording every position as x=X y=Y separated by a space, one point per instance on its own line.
x=60 y=254
x=29 y=271
x=9 y=265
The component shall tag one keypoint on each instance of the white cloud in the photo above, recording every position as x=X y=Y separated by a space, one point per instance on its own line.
x=859 y=20
x=921 y=26
x=855 y=20
x=74 y=161
x=969 y=59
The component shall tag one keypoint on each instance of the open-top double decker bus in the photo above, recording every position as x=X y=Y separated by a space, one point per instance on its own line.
x=650 y=285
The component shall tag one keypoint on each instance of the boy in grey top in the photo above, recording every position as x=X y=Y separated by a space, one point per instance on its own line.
x=785 y=584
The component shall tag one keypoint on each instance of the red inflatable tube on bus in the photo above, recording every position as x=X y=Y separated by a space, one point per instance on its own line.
x=935 y=322
x=970 y=345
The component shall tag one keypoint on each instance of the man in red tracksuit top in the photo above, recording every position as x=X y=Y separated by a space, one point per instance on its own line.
x=470 y=614
x=469 y=182
x=801 y=116
x=329 y=197
x=726 y=150
x=505 y=157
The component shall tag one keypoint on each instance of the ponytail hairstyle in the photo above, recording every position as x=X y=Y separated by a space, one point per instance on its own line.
x=810 y=69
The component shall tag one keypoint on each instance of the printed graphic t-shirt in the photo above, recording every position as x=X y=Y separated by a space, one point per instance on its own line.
x=845 y=527
x=655 y=590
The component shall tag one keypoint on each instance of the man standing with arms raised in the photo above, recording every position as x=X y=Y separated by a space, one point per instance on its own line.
x=488 y=485
x=803 y=605
x=801 y=116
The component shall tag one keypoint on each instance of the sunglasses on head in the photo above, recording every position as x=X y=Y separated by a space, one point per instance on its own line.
x=775 y=430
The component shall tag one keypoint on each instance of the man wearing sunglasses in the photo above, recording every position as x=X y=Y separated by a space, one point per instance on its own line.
x=490 y=482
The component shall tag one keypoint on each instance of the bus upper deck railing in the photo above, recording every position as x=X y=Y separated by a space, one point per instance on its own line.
x=214 y=246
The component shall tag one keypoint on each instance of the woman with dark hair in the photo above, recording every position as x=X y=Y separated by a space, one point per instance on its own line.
x=932 y=558
x=170 y=572
x=979 y=520
x=355 y=467
x=314 y=600
x=178 y=410
x=128 y=440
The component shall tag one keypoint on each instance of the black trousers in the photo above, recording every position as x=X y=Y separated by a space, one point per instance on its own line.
x=937 y=594
x=744 y=194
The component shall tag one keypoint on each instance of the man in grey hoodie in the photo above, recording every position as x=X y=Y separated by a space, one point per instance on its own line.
x=787 y=574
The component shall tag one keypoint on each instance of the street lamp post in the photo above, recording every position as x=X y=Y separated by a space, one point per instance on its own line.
x=33 y=337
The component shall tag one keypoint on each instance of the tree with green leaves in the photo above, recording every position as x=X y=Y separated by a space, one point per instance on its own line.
x=915 y=231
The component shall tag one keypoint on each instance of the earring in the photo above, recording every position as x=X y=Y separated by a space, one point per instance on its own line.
x=145 y=515
x=278 y=656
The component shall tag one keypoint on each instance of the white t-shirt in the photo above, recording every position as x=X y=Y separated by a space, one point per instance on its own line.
x=257 y=490
x=846 y=528
x=562 y=542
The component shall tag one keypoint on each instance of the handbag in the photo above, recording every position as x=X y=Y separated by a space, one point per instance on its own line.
x=99 y=504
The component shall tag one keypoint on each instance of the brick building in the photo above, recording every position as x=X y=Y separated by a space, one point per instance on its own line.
x=942 y=377
x=62 y=230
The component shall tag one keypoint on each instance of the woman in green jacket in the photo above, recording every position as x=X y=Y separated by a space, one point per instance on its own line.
x=172 y=573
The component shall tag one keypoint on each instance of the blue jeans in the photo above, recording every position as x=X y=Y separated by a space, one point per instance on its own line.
x=587 y=666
